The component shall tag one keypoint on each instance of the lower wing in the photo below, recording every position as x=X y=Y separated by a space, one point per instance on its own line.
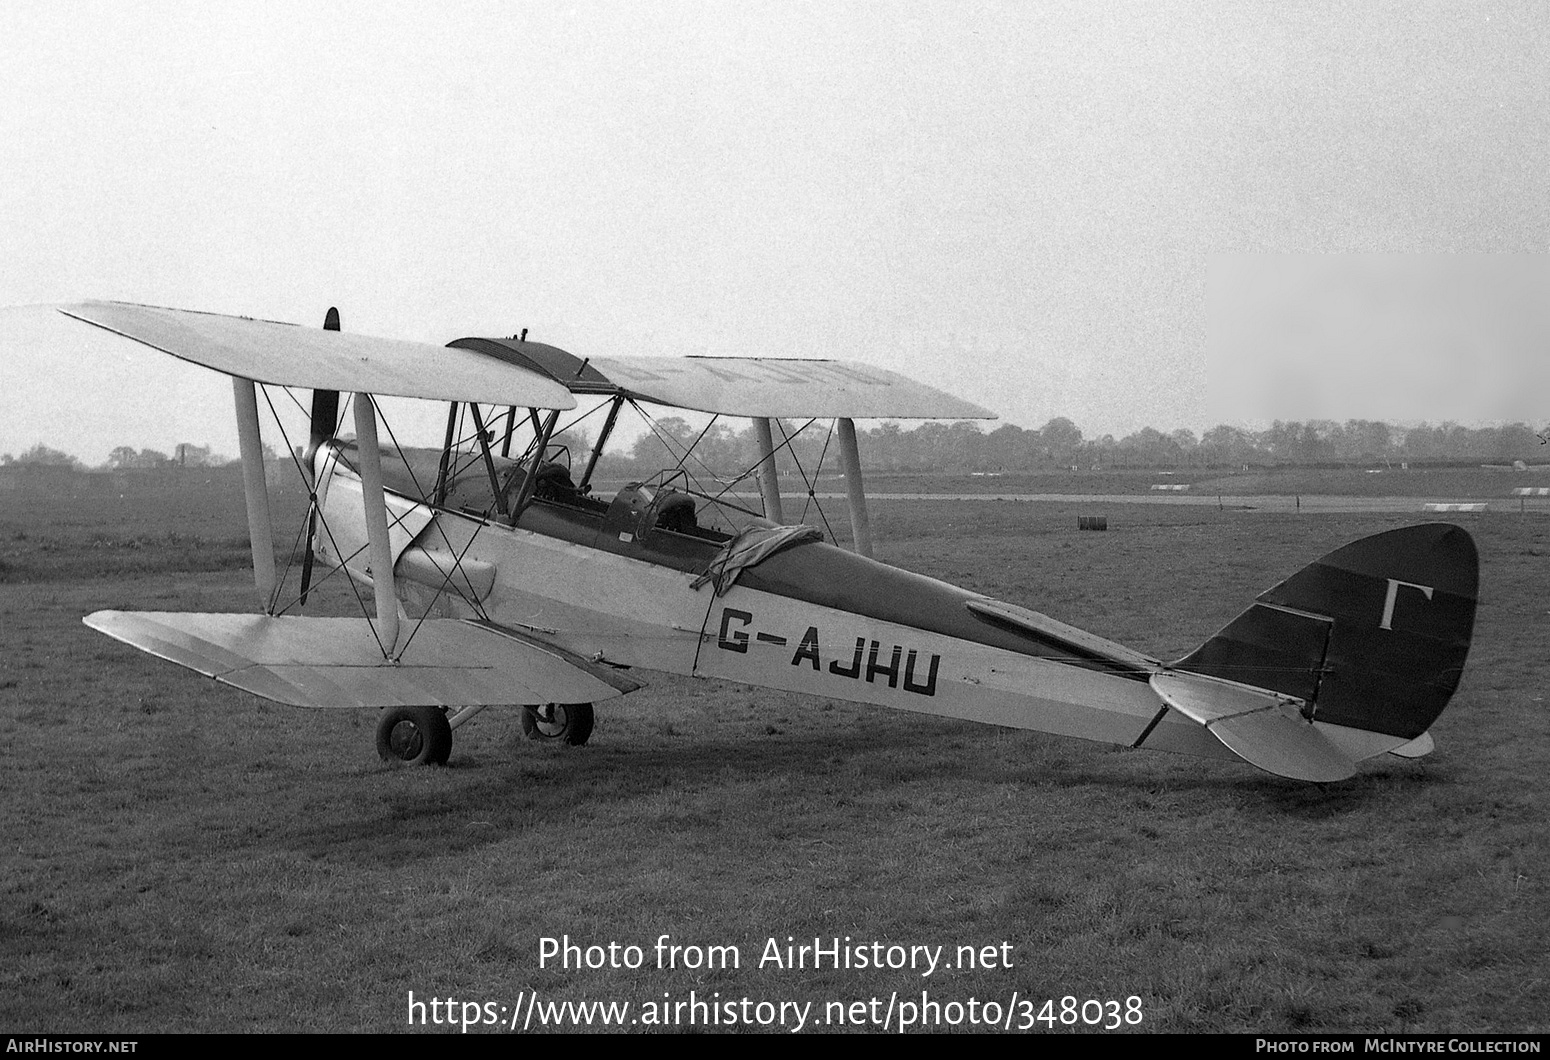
x=337 y=662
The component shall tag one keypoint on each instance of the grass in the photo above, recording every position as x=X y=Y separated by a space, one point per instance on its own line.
x=181 y=856
x=177 y=526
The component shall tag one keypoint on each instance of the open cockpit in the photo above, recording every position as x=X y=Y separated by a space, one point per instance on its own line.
x=653 y=521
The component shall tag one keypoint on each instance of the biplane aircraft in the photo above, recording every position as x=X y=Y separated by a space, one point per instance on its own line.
x=491 y=578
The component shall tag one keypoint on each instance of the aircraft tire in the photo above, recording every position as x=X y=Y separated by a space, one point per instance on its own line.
x=569 y=723
x=414 y=736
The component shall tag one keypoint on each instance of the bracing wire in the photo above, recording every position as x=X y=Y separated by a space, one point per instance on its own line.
x=312 y=505
x=812 y=496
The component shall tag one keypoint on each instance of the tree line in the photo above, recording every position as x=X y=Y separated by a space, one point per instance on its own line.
x=965 y=447
x=127 y=458
x=729 y=450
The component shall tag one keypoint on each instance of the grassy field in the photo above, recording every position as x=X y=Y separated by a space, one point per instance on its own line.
x=181 y=856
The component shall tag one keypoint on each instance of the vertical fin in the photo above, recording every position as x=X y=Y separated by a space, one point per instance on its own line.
x=1373 y=636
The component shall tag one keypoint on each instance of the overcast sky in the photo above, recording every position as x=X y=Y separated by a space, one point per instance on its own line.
x=1019 y=202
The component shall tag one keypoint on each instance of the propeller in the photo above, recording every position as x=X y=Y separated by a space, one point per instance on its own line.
x=325 y=422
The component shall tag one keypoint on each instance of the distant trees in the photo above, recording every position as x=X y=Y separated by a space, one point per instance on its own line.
x=184 y=454
x=187 y=454
x=124 y=458
x=42 y=455
x=727 y=449
x=664 y=445
x=1061 y=441
x=1226 y=445
x=127 y=458
x=1365 y=440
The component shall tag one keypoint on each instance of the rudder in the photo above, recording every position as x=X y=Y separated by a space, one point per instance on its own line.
x=1372 y=636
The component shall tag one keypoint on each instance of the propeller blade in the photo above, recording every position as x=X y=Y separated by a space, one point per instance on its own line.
x=306 y=560
x=325 y=403
x=325 y=422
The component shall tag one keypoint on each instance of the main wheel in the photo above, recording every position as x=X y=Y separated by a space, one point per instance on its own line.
x=414 y=736
x=558 y=722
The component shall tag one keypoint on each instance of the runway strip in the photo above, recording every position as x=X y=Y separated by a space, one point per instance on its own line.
x=1269 y=503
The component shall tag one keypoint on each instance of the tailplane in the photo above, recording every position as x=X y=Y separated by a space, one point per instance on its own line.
x=1371 y=637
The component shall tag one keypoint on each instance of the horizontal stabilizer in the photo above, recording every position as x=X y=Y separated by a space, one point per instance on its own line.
x=1262 y=728
x=1419 y=747
x=336 y=662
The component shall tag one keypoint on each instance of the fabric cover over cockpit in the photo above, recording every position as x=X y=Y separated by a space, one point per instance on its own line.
x=750 y=548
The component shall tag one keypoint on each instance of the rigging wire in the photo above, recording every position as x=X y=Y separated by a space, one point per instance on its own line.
x=803 y=472
x=457 y=563
x=717 y=499
x=312 y=505
x=786 y=443
x=817 y=471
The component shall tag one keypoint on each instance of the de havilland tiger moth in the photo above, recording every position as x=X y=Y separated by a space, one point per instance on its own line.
x=488 y=578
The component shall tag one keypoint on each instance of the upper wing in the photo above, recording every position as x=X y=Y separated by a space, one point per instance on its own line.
x=776 y=387
x=290 y=355
x=741 y=386
x=335 y=662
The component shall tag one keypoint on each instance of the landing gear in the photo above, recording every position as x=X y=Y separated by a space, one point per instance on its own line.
x=414 y=736
x=558 y=723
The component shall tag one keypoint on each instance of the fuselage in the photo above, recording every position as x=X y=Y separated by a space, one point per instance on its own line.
x=622 y=582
